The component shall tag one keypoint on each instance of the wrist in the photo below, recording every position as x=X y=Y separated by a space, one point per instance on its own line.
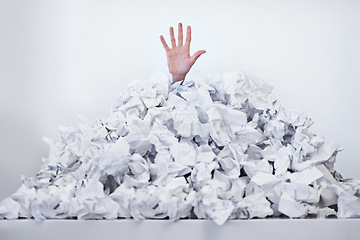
x=177 y=78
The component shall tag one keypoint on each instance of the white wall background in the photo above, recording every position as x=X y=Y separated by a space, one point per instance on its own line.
x=59 y=59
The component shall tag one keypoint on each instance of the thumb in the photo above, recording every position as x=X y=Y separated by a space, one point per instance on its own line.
x=197 y=55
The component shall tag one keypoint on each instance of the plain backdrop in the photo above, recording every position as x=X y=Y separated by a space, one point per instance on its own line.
x=59 y=59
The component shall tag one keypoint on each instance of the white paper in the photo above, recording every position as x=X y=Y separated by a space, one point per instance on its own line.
x=218 y=147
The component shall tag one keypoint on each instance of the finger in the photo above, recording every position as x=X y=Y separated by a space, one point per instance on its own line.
x=180 y=35
x=188 y=36
x=197 y=55
x=164 y=43
x=172 y=37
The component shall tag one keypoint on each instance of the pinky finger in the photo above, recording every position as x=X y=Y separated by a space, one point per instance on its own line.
x=164 y=43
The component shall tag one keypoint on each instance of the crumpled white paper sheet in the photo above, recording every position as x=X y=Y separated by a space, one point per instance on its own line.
x=218 y=148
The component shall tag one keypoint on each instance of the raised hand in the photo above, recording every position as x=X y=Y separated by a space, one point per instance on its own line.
x=178 y=56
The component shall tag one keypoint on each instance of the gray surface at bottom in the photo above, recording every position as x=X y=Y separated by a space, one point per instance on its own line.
x=340 y=229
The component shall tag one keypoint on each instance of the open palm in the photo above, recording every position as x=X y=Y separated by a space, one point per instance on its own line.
x=178 y=56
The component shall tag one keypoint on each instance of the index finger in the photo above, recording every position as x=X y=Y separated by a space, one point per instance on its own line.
x=188 y=36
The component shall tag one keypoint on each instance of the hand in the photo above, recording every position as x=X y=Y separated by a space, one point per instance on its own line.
x=178 y=57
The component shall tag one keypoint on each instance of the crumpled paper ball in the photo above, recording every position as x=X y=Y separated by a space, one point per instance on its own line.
x=220 y=147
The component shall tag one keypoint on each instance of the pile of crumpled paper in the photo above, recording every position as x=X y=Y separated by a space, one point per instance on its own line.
x=218 y=148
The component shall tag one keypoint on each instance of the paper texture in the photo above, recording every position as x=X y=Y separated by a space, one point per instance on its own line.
x=219 y=148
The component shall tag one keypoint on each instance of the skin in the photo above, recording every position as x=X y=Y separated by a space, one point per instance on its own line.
x=178 y=56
